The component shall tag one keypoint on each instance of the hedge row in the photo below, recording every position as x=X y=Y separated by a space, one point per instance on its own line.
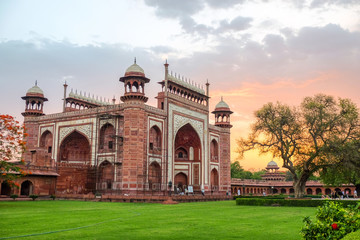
x=288 y=202
x=263 y=197
x=352 y=236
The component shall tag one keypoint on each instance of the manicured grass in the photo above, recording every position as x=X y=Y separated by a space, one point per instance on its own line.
x=102 y=220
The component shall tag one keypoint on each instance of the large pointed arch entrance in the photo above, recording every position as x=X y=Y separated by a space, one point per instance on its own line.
x=188 y=155
x=5 y=188
x=181 y=180
x=26 y=188
x=75 y=148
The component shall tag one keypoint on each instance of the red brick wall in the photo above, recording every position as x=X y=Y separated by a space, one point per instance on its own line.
x=134 y=162
x=225 y=177
x=75 y=178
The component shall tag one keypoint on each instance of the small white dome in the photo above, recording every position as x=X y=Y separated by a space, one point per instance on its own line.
x=35 y=90
x=222 y=104
x=134 y=68
x=272 y=163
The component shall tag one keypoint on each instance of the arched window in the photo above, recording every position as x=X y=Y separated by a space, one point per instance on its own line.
x=106 y=177
x=214 y=151
x=181 y=153
x=107 y=137
x=46 y=140
x=155 y=140
x=135 y=87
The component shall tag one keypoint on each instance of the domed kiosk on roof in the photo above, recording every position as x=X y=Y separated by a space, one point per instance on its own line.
x=134 y=70
x=272 y=173
x=134 y=83
x=34 y=101
x=222 y=114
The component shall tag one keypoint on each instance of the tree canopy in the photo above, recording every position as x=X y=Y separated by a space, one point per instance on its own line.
x=237 y=171
x=304 y=137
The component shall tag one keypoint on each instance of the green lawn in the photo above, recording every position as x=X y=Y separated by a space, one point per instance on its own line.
x=102 y=220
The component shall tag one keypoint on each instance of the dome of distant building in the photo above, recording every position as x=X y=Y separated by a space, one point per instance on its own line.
x=134 y=70
x=272 y=163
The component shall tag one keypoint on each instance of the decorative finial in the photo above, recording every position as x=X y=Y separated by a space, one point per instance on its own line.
x=35 y=82
x=135 y=60
x=165 y=61
x=221 y=98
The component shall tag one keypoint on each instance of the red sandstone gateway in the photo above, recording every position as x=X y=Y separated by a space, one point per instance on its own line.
x=127 y=148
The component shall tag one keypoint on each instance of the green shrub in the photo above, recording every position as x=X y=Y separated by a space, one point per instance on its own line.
x=287 y=202
x=33 y=196
x=14 y=196
x=53 y=196
x=333 y=221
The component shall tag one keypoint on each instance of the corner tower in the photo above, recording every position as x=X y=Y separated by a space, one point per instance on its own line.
x=222 y=114
x=134 y=83
x=34 y=102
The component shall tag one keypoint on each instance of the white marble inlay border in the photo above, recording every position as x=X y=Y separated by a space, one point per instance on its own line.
x=85 y=129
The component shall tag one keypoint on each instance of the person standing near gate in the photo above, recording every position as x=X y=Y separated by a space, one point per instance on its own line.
x=202 y=190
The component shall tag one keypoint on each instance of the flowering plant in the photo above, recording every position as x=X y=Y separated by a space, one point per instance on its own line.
x=12 y=146
x=333 y=221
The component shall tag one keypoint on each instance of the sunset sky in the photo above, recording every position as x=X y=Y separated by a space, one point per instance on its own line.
x=251 y=52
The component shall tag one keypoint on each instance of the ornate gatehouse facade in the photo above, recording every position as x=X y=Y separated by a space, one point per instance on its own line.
x=130 y=147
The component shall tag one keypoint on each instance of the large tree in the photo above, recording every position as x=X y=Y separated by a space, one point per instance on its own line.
x=12 y=146
x=348 y=169
x=303 y=137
